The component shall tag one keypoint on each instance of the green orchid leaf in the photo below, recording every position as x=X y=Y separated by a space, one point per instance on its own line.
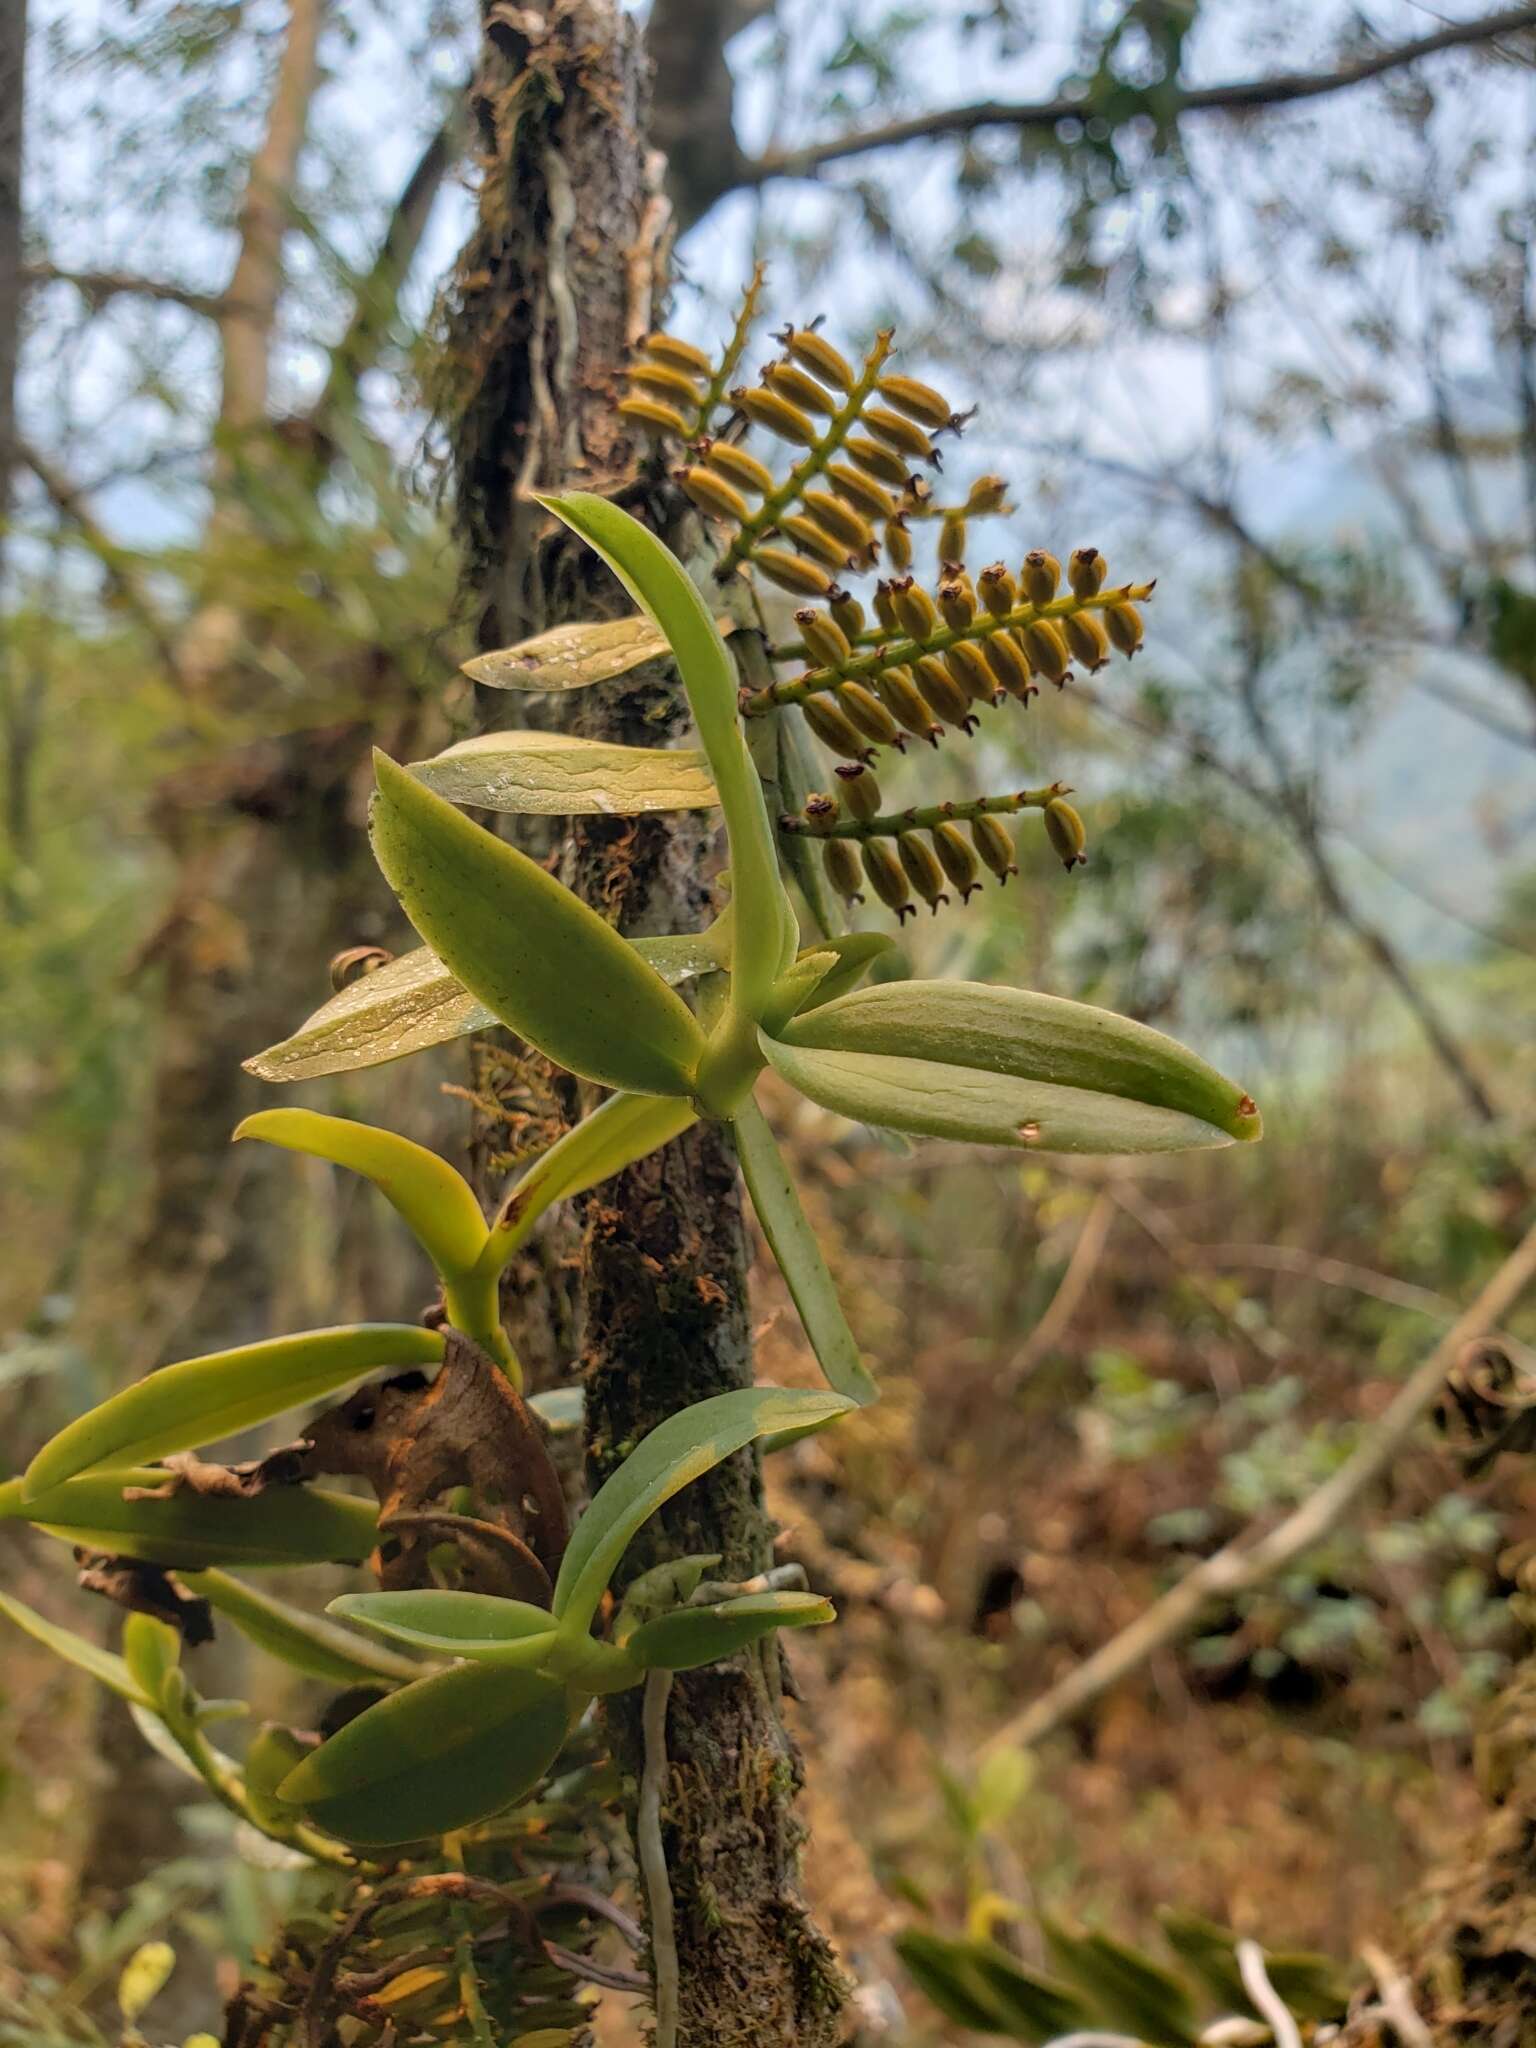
x=1129 y=1988
x=286 y=1525
x=437 y=1204
x=676 y=1452
x=438 y=1755
x=152 y=1651
x=203 y=1400
x=477 y=1625
x=573 y=656
x=980 y=1986
x=659 y=1590
x=110 y=1670
x=560 y=1409
x=791 y=771
x=856 y=954
x=659 y=583
x=307 y=1642
x=549 y=967
x=272 y=1753
x=1309 y=1984
x=556 y=774
x=691 y=1636
x=795 y=988
x=1064 y=1046
x=793 y=1243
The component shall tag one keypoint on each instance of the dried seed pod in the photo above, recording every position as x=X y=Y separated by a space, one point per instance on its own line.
x=1123 y=623
x=743 y=470
x=887 y=878
x=1085 y=572
x=667 y=348
x=793 y=572
x=861 y=491
x=952 y=537
x=821 y=811
x=921 y=401
x=661 y=380
x=945 y=698
x=1086 y=639
x=714 y=495
x=922 y=868
x=791 y=382
x=1065 y=830
x=883 y=463
x=861 y=791
x=956 y=859
x=1009 y=666
x=996 y=589
x=841 y=862
x=868 y=714
x=651 y=413
x=848 y=613
x=897 y=432
x=834 y=728
x=994 y=843
x=840 y=520
x=767 y=409
x=1045 y=650
x=957 y=604
x=353 y=962
x=898 y=542
x=818 y=354
x=968 y=665
x=902 y=698
x=987 y=495
x=825 y=641
x=885 y=607
x=1040 y=576
x=808 y=536
x=914 y=609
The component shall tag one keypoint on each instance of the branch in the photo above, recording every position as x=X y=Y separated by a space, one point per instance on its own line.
x=1234 y=97
x=97 y=286
x=1248 y=1562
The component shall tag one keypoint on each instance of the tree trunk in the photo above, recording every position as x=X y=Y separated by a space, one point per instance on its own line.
x=556 y=281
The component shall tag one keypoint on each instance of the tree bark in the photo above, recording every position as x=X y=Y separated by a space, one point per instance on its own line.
x=554 y=284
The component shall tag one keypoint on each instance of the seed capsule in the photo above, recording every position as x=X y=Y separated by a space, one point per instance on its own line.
x=651 y=413
x=1123 y=623
x=848 y=613
x=808 y=536
x=1065 y=830
x=956 y=859
x=662 y=381
x=952 y=537
x=821 y=811
x=714 y=495
x=921 y=401
x=887 y=878
x=902 y=698
x=883 y=463
x=1086 y=639
x=898 y=542
x=885 y=607
x=868 y=714
x=968 y=665
x=922 y=868
x=944 y=697
x=818 y=354
x=854 y=488
x=668 y=349
x=1085 y=572
x=860 y=790
x=1009 y=666
x=957 y=605
x=994 y=843
x=1040 y=576
x=897 y=432
x=1045 y=650
x=793 y=572
x=840 y=520
x=914 y=609
x=842 y=867
x=833 y=728
x=767 y=409
x=825 y=641
x=987 y=495
x=792 y=383
x=995 y=587
x=743 y=469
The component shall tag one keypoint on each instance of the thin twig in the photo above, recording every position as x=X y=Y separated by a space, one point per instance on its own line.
x=1271 y=2006
x=653 y=1857
x=1070 y=1290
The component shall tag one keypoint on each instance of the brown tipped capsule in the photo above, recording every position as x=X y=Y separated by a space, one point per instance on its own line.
x=868 y=714
x=1009 y=666
x=860 y=790
x=660 y=380
x=848 y=613
x=767 y=409
x=824 y=639
x=742 y=469
x=957 y=604
x=821 y=811
x=1064 y=829
x=1045 y=650
x=887 y=878
x=808 y=537
x=818 y=354
x=883 y=463
x=840 y=520
x=861 y=491
x=666 y=348
x=920 y=400
x=651 y=413
x=922 y=868
x=897 y=432
x=793 y=572
x=968 y=665
x=944 y=697
x=1085 y=572
x=1123 y=623
x=834 y=728
x=898 y=542
x=354 y=962
x=1086 y=639
x=914 y=609
x=995 y=587
x=714 y=495
x=952 y=537
x=902 y=698
x=1040 y=576
x=843 y=871
x=987 y=495
x=995 y=845
x=956 y=859
x=791 y=382
x=885 y=607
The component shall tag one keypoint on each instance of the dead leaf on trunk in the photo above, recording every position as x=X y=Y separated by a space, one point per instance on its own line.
x=144 y=1588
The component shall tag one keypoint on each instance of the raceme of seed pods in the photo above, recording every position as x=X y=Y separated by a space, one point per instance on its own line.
x=920 y=666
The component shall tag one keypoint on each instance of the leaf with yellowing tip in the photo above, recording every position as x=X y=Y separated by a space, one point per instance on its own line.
x=111 y=1671
x=557 y=774
x=691 y=1636
x=202 y=1400
x=436 y=1203
x=482 y=1626
x=549 y=967
x=571 y=657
